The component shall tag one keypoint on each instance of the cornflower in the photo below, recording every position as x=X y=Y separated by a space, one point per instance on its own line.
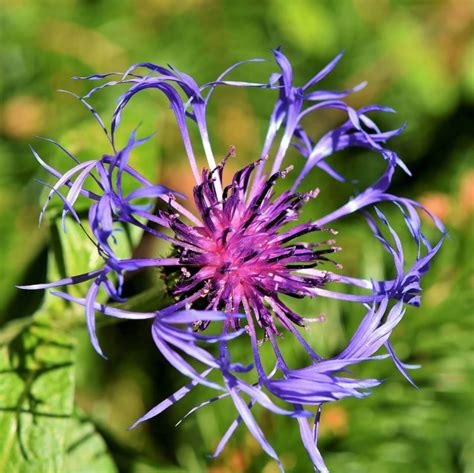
x=235 y=258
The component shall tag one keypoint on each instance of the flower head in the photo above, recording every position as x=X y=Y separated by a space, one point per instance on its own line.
x=234 y=258
x=239 y=254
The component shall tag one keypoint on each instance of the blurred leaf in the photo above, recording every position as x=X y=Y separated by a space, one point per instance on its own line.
x=86 y=450
x=316 y=16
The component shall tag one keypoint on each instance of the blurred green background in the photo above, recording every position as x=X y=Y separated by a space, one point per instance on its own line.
x=418 y=58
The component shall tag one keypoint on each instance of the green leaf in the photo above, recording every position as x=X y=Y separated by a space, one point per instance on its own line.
x=85 y=449
x=37 y=374
x=36 y=396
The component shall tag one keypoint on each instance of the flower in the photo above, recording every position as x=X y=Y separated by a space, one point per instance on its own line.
x=233 y=260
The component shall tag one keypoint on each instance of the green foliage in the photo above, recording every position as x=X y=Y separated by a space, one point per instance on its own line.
x=38 y=430
x=86 y=451
x=37 y=380
x=36 y=397
x=62 y=408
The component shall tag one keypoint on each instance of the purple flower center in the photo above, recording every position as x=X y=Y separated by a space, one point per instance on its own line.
x=241 y=253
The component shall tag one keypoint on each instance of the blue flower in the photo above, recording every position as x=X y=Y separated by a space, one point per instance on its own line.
x=236 y=256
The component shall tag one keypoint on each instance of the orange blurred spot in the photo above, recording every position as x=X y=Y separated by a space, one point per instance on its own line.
x=23 y=116
x=233 y=460
x=218 y=469
x=238 y=125
x=466 y=193
x=179 y=177
x=237 y=461
x=334 y=420
x=437 y=203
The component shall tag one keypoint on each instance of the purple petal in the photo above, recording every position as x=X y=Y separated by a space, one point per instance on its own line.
x=64 y=282
x=324 y=72
x=169 y=401
x=90 y=316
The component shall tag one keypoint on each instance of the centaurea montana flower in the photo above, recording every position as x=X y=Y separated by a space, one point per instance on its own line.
x=240 y=252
